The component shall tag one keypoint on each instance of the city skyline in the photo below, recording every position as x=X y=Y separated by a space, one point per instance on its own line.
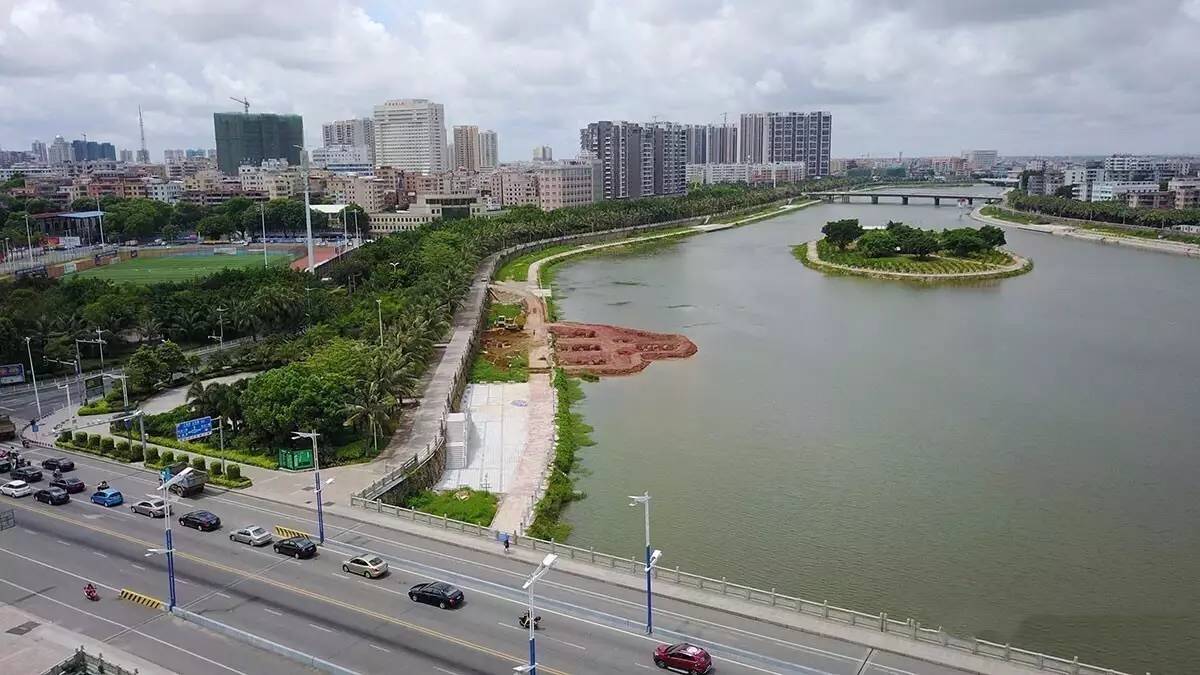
x=922 y=78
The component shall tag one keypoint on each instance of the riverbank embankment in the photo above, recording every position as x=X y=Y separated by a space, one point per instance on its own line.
x=1077 y=232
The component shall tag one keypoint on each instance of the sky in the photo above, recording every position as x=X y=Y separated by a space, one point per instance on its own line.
x=922 y=77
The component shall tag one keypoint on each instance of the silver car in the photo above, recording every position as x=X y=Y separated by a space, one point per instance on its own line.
x=253 y=535
x=155 y=507
x=369 y=565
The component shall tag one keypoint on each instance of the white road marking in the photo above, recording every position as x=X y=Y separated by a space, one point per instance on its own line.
x=642 y=665
x=137 y=566
x=62 y=542
x=271 y=611
x=327 y=630
x=102 y=555
x=220 y=594
x=382 y=649
x=183 y=581
x=443 y=670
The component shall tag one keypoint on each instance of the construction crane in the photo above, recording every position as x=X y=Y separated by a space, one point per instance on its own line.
x=244 y=102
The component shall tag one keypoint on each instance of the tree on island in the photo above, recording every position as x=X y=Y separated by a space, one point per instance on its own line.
x=876 y=244
x=920 y=243
x=993 y=235
x=963 y=241
x=841 y=232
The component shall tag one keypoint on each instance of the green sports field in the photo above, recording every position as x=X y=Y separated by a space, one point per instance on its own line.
x=178 y=268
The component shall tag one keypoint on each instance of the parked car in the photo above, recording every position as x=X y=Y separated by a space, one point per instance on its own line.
x=53 y=496
x=16 y=488
x=436 y=593
x=58 y=464
x=155 y=507
x=683 y=656
x=71 y=485
x=205 y=521
x=108 y=497
x=369 y=565
x=253 y=535
x=297 y=547
x=29 y=474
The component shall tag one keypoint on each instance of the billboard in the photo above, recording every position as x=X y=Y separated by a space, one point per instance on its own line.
x=93 y=387
x=69 y=268
x=197 y=428
x=13 y=373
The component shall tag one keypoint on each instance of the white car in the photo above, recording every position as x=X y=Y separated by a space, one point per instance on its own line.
x=16 y=488
x=253 y=535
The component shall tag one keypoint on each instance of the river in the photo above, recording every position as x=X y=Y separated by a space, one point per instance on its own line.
x=1014 y=459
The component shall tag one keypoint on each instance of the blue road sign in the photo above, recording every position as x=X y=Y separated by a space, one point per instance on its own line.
x=197 y=428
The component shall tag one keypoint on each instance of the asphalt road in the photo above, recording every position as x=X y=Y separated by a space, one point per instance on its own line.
x=369 y=626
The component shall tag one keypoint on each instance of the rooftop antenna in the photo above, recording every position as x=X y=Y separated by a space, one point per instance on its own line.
x=142 y=131
x=244 y=102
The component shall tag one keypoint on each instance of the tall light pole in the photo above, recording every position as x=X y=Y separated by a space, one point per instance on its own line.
x=262 y=215
x=307 y=208
x=169 y=551
x=540 y=572
x=652 y=557
x=101 y=221
x=67 y=388
x=221 y=319
x=124 y=389
x=33 y=373
x=317 y=477
x=100 y=344
x=379 y=306
x=28 y=236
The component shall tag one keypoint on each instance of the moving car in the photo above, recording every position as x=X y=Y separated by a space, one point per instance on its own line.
x=71 y=485
x=16 y=488
x=253 y=535
x=369 y=565
x=436 y=593
x=205 y=521
x=108 y=497
x=53 y=496
x=155 y=507
x=29 y=474
x=58 y=463
x=297 y=547
x=683 y=656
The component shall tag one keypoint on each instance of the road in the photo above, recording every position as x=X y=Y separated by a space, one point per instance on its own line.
x=368 y=626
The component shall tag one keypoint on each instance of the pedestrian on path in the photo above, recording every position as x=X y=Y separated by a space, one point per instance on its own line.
x=504 y=538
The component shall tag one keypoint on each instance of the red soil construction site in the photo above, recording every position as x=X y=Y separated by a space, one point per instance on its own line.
x=611 y=350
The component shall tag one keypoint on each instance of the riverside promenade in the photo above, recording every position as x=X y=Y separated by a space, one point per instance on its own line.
x=1061 y=230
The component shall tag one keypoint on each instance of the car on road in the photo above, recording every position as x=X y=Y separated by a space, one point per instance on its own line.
x=683 y=656
x=205 y=521
x=437 y=593
x=71 y=485
x=58 y=464
x=253 y=535
x=369 y=565
x=297 y=547
x=29 y=474
x=155 y=507
x=108 y=497
x=16 y=488
x=53 y=496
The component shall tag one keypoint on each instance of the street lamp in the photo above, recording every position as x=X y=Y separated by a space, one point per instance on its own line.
x=124 y=389
x=307 y=208
x=33 y=373
x=221 y=319
x=540 y=572
x=652 y=557
x=296 y=435
x=169 y=551
x=379 y=306
x=101 y=221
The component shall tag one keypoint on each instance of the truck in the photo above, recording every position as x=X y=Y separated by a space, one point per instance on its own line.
x=192 y=484
x=8 y=430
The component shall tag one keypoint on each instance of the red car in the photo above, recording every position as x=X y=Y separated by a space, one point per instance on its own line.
x=683 y=656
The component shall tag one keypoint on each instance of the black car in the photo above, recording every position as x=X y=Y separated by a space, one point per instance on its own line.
x=70 y=485
x=54 y=496
x=58 y=463
x=297 y=547
x=201 y=520
x=29 y=474
x=436 y=593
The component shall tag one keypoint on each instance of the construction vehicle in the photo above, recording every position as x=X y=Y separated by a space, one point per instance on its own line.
x=191 y=484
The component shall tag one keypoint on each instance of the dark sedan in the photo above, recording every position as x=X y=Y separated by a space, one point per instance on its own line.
x=436 y=593
x=71 y=485
x=54 y=496
x=297 y=547
x=204 y=521
x=58 y=464
x=29 y=474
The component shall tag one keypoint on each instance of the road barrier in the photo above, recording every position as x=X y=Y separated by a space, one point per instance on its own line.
x=634 y=566
x=288 y=533
x=262 y=643
x=142 y=599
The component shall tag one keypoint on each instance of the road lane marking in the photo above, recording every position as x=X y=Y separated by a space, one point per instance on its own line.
x=443 y=670
x=268 y=610
x=642 y=665
x=137 y=566
x=102 y=555
x=183 y=581
x=327 y=630
x=544 y=637
x=222 y=595
x=382 y=649
x=64 y=543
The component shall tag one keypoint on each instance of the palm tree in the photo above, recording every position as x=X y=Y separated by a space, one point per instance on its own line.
x=373 y=408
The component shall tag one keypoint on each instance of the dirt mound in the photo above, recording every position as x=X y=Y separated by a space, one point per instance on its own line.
x=611 y=350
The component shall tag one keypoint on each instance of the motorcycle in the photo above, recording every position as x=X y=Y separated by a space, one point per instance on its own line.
x=523 y=620
x=90 y=593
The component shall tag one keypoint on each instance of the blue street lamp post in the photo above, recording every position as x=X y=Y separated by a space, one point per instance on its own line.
x=540 y=572
x=169 y=551
x=652 y=557
x=317 y=478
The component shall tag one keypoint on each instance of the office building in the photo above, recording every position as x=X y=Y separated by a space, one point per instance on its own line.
x=981 y=160
x=571 y=182
x=125 y=156
x=543 y=153
x=250 y=138
x=489 y=149
x=466 y=148
x=1133 y=168
x=1103 y=191
x=426 y=209
x=410 y=134
x=40 y=153
x=342 y=159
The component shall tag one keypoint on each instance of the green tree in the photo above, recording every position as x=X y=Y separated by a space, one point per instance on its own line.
x=144 y=368
x=993 y=235
x=876 y=244
x=841 y=232
x=214 y=226
x=963 y=241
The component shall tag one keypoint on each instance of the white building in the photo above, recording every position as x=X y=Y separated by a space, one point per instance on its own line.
x=343 y=158
x=466 y=148
x=489 y=149
x=753 y=174
x=273 y=179
x=1103 y=191
x=543 y=153
x=410 y=134
x=981 y=160
x=59 y=151
x=426 y=209
x=168 y=192
x=548 y=185
x=368 y=192
x=359 y=132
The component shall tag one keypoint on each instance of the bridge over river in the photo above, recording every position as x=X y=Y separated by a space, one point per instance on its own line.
x=846 y=196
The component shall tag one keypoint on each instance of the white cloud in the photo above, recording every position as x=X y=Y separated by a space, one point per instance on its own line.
x=925 y=76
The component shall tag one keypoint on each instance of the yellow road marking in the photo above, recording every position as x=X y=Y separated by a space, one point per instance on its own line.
x=288 y=533
x=297 y=590
x=142 y=599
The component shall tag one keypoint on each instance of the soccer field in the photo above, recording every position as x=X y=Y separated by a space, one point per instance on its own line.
x=178 y=268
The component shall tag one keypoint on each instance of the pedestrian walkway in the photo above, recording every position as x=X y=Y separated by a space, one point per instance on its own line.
x=30 y=645
x=497 y=416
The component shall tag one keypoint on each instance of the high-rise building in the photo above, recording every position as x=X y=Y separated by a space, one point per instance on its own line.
x=786 y=137
x=173 y=156
x=39 y=152
x=59 y=152
x=981 y=160
x=249 y=138
x=342 y=159
x=638 y=160
x=126 y=156
x=410 y=134
x=720 y=144
x=697 y=143
x=669 y=147
x=489 y=149
x=108 y=151
x=466 y=148
x=543 y=153
x=358 y=132
x=752 y=138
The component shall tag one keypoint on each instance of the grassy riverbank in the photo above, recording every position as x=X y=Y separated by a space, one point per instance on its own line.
x=472 y=506
x=573 y=435
x=1013 y=216
x=518 y=268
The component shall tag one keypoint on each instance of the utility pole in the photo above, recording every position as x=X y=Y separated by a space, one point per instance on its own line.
x=262 y=215
x=312 y=266
x=28 y=236
x=33 y=373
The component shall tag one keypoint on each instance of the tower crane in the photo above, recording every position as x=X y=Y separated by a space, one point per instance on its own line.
x=244 y=102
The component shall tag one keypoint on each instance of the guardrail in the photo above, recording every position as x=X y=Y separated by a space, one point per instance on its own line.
x=634 y=566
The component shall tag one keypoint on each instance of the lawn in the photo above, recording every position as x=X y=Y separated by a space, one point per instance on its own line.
x=517 y=269
x=177 y=268
x=939 y=264
x=478 y=507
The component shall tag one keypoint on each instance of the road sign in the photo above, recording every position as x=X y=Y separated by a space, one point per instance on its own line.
x=197 y=428
x=14 y=373
x=93 y=387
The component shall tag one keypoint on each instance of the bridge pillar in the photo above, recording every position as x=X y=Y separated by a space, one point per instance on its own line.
x=845 y=199
x=904 y=201
x=970 y=201
x=937 y=201
x=874 y=199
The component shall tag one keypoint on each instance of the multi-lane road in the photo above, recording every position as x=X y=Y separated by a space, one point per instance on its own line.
x=368 y=626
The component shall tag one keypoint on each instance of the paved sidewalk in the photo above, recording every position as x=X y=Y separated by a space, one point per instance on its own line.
x=45 y=645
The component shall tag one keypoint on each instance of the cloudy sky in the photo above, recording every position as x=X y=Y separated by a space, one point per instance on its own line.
x=924 y=77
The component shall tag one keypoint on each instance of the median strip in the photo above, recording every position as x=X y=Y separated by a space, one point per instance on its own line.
x=142 y=599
